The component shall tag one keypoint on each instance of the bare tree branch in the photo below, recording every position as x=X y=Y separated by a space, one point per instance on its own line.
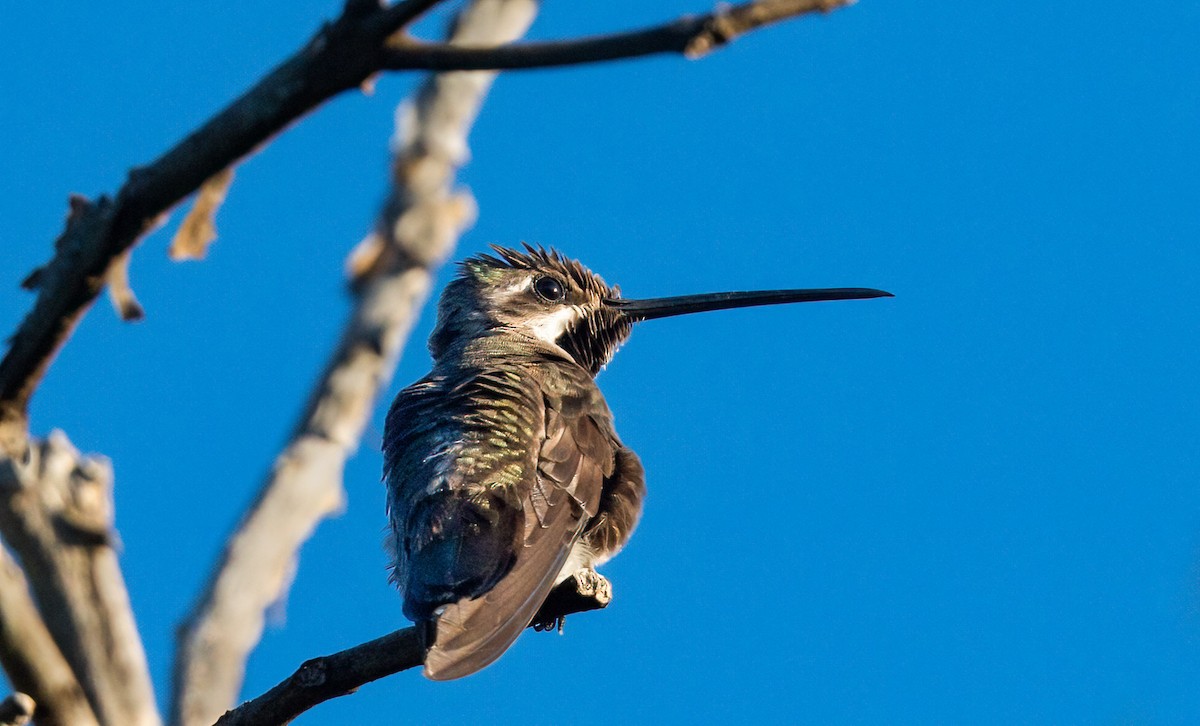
x=417 y=230
x=16 y=710
x=693 y=37
x=330 y=676
x=341 y=56
x=32 y=660
x=56 y=515
x=327 y=677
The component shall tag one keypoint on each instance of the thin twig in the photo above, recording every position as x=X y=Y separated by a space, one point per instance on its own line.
x=692 y=37
x=199 y=227
x=320 y=679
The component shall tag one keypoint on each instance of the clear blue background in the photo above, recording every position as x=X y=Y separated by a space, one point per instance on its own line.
x=975 y=502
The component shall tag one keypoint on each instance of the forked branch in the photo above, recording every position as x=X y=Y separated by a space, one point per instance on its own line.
x=343 y=55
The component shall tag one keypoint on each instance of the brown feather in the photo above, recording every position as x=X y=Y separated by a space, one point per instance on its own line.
x=473 y=632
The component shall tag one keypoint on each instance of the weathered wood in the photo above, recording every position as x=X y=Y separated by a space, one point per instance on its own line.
x=32 y=660
x=56 y=515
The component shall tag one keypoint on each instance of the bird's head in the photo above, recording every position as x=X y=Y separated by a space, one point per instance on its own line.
x=539 y=293
x=542 y=294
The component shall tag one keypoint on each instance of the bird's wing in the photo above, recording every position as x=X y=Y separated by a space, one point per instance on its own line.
x=557 y=501
x=455 y=452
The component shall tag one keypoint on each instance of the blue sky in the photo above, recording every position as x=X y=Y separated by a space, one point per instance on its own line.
x=975 y=502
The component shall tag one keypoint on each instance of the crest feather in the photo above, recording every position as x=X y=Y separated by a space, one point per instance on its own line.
x=541 y=258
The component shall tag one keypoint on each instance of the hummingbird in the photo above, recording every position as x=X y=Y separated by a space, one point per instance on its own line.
x=504 y=473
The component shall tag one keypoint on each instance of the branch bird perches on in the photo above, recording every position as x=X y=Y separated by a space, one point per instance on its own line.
x=320 y=679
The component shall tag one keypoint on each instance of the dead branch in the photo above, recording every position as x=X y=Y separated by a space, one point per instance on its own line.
x=320 y=679
x=417 y=230
x=341 y=56
x=328 y=677
x=31 y=658
x=56 y=514
x=692 y=37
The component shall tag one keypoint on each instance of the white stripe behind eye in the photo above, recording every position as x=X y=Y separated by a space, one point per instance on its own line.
x=550 y=327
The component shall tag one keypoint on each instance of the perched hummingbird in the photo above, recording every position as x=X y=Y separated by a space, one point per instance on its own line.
x=504 y=473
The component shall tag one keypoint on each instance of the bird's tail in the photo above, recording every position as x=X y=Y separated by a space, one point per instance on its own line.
x=472 y=633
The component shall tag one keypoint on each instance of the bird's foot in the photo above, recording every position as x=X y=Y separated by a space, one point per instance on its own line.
x=591 y=584
x=585 y=590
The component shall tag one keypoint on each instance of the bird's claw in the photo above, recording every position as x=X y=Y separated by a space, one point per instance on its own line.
x=551 y=624
x=589 y=586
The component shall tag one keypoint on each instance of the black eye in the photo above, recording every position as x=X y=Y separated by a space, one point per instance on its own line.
x=549 y=289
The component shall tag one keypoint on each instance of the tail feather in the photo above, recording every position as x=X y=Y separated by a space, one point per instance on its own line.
x=575 y=457
x=473 y=632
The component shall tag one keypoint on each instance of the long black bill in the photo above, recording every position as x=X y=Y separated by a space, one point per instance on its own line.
x=664 y=307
